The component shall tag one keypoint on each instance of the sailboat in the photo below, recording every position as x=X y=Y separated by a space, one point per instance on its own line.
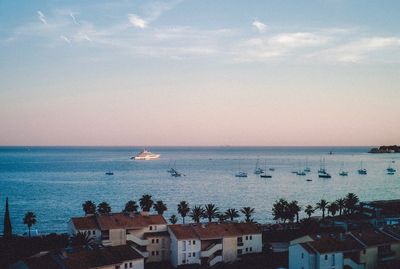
x=264 y=174
x=390 y=169
x=173 y=171
x=307 y=169
x=258 y=170
x=240 y=173
x=362 y=171
x=322 y=171
x=342 y=172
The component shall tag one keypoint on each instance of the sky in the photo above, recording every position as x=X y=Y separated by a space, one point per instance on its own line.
x=200 y=72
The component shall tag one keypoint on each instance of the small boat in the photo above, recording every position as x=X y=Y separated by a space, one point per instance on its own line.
x=342 y=172
x=145 y=155
x=307 y=169
x=264 y=174
x=258 y=170
x=175 y=173
x=241 y=174
x=109 y=173
x=362 y=171
x=390 y=169
x=322 y=169
x=271 y=169
x=171 y=169
x=309 y=179
x=301 y=173
x=390 y=173
x=324 y=175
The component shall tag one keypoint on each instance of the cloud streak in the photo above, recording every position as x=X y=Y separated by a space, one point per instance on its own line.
x=261 y=27
x=42 y=17
x=136 y=21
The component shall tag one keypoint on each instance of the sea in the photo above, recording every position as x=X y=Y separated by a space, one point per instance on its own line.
x=53 y=182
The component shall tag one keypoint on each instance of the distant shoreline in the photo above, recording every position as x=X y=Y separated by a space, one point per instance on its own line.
x=385 y=149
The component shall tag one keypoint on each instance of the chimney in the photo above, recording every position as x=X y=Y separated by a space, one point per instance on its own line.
x=144 y=213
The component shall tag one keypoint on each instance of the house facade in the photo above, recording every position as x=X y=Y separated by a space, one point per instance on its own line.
x=365 y=249
x=146 y=233
x=211 y=243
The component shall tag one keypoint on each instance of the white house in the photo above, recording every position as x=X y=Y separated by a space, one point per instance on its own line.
x=211 y=243
x=365 y=249
x=146 y=233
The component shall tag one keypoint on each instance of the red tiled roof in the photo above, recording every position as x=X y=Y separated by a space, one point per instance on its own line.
x=155 y=234
x=328 y=243
x=85 y=223
x=371 y=238
x=213 y=230
x=85 y=259
x=124 y=221
x=41 y=262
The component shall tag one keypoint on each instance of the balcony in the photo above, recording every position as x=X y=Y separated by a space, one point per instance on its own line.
x=211 y=250
x=215 y=260
x=387 y=255
x=137 y=240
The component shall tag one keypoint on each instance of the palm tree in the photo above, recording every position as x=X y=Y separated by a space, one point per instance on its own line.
x=183 y=209
x=81 y=239
x=294 y=209
x=29 y=220
x=341 y=204
x=322 y=206
x=333 y=208
x=103 y=208
x=231 y=213
x=280 y=210
x=309 y=210
x=173 y=219
x=248 y=212
x=350 y=201
x=130 y=207
x=197 y=213
x=160 y=207
x=211 y=211
x=146 y=202
x=89 y=208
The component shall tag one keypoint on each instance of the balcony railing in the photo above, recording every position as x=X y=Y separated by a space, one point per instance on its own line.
x=387 y=255
x=211 y=250
x=215 y=260
x=137 y=240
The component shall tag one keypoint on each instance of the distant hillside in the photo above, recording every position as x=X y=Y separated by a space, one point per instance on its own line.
x=386 y=149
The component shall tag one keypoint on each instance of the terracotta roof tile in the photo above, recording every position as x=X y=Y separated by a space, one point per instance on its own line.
x=85 y=223
x=374 y=237
x=124 y=221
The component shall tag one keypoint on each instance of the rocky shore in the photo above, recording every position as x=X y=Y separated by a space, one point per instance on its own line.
x=386 y=149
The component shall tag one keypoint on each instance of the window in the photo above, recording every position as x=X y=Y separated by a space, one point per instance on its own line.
x=157 y=253
x=151 y=228
x=302 y=255
x=157 y=240
x=190 y=242
x=117 y=267
x=194 y=242
x=126 y=266
x=333 y=259
x=251 y=237
x=251 y=249
x=247 y=238
x=239 y=252
x=364 y=251
x=190 y=255
x=247 y=249
x=326 y=257
x=152 y=241
x=155 y=228
x=153 y=253
x=130 y=265
x=194 y=254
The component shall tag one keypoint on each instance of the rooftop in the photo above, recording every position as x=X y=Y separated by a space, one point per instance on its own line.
x=85 y=223
x=213 y=230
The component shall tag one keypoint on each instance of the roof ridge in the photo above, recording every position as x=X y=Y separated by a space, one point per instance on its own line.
x=358 y=240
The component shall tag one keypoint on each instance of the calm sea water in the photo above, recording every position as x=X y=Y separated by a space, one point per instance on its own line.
x=54 y=181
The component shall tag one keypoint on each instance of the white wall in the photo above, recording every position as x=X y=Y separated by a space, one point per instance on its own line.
x=299 y=258
x=253 y=245
x=330 y=261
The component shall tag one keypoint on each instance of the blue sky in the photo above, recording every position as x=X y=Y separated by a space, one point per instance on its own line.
x=199 y=72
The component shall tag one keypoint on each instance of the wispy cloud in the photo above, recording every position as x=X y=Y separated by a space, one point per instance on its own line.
x=136 y=21
x=261 y=27
x=73 y=18
x=66 y=39
x=42 y=17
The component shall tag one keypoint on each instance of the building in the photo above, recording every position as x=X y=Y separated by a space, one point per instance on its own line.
x=146 y=233
x=111 y=257
x=364 y=249
x=210 y=243
x=382 y=213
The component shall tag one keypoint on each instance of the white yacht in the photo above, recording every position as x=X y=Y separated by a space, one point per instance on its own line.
x=146 y=155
